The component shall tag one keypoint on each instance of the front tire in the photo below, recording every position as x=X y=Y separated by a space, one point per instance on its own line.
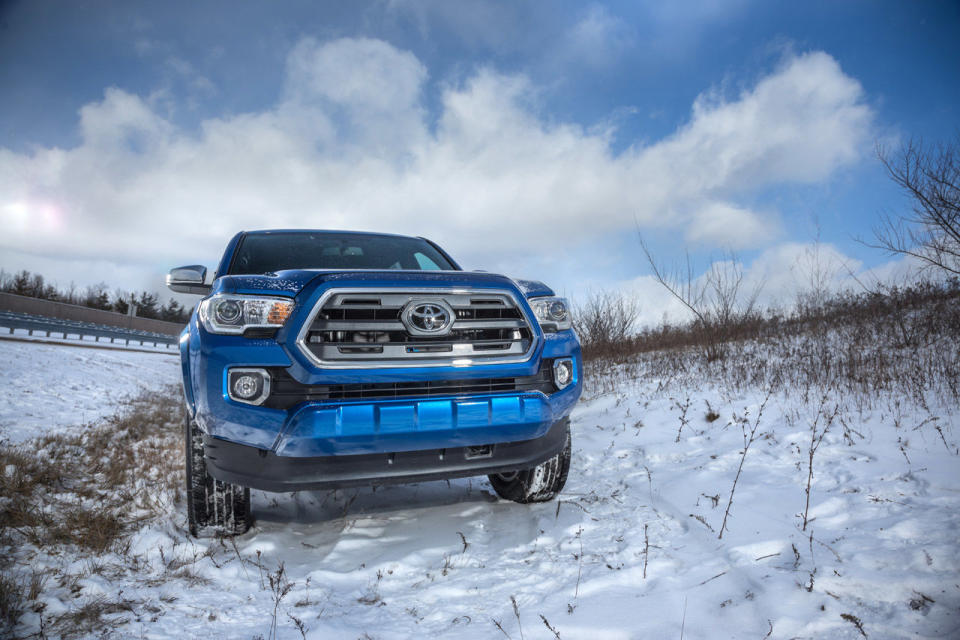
x=213 y=507
x=541 y=483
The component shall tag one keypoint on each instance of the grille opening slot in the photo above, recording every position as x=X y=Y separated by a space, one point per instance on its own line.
x=440 y=348
x=491 y=347
x=359 y=314
x=488 y=313
x=363 y=301
x=342 y=349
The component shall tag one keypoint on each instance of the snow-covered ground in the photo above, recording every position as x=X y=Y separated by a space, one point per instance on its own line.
x=55 y=388
x=632 y=548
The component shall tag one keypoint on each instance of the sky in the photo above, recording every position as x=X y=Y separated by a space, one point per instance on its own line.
x=537 y=139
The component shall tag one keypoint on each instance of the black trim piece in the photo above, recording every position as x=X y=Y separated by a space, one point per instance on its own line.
x=286 y=392
x=260 y=333
x=236 y=252
x=264 y=470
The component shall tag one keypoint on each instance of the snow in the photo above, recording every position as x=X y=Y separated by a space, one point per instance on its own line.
x=54 y=388
x=631 y=549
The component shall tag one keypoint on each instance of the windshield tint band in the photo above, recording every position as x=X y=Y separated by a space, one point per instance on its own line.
x=269 y=253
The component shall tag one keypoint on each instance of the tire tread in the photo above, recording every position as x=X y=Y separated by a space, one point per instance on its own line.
x=213 y=507
x=541 y=483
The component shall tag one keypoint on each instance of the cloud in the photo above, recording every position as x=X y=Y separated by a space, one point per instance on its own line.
x=495 y=25
x=596 y=39
x=350 y=144
x=730 y=226
x=359 y=73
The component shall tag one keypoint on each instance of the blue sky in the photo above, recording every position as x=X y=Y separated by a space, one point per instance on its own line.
x=533 y=138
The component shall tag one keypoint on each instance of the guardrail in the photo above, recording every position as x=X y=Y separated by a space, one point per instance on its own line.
x=72 y=312
x=67 y=328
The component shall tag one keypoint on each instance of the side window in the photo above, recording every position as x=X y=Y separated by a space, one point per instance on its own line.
x=426 y=263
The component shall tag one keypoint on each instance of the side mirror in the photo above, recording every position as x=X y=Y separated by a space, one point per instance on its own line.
x=189 y=280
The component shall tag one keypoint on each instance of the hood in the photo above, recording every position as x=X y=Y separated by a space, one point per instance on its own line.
x=291 y=282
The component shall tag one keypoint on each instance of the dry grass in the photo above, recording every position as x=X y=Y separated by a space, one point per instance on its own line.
x=90 y=618
x=12 y=599
x=84 y=494
x=901 y=342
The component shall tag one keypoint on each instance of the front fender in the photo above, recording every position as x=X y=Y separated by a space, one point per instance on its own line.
x=185 y=371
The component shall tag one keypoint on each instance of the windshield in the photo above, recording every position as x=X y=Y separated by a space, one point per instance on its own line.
x=267 y=253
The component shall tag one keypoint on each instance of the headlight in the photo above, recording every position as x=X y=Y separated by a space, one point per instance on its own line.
x=234 y=314
x=552 y=313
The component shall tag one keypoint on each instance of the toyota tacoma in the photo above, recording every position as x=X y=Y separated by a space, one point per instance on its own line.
x=328 y=359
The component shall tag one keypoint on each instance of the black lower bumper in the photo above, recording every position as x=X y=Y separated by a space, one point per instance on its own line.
x=264 y=470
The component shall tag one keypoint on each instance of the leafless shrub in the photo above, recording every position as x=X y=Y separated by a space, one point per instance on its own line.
x=372 y=595
x=749 y=435
x=818 y=430
x=605 y=321
x=279 y=588
x=711 y=415
x=816 y=271
x=683 y=408
x=720 y=300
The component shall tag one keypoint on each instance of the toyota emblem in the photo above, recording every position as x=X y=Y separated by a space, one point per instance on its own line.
x=427 y=317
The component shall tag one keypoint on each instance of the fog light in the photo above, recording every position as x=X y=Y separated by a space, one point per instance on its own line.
x=251 y=386
x=563 y=373
x=246 y=387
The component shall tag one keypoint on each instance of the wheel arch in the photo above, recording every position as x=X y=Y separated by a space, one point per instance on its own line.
x=185 y=371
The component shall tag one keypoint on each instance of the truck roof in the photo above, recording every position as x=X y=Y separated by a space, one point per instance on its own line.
x=364 y=233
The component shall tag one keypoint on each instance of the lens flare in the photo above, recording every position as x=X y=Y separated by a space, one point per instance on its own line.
x=34 y=216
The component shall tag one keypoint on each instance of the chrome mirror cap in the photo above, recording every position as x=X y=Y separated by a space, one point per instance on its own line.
x=189 y=279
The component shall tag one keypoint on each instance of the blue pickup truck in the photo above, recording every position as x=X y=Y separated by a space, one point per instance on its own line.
x=329 y=359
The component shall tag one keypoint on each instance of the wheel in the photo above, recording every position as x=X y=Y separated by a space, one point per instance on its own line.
x=536 y=484
x=213 y=507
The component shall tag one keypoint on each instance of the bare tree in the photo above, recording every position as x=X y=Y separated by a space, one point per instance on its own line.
x=930 y=175
x=816 y=270
x=720 y=300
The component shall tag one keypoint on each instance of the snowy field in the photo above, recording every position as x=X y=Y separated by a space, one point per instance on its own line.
x=632 y=548
x=48 y=387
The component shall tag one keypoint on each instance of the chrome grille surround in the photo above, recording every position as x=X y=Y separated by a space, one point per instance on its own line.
x=378 y=351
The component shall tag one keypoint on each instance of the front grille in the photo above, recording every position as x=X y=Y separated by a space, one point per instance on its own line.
x=286 y=391
x=364 y=328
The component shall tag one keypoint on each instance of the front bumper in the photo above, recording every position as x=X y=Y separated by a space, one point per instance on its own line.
x=267 y=471
x=316 y=426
